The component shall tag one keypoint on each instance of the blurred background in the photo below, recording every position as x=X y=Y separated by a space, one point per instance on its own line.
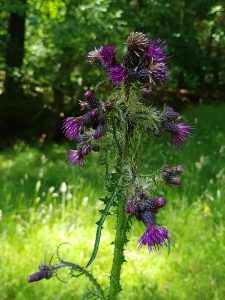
x=43 y=74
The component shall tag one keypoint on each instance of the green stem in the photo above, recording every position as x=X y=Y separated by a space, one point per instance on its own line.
x=118 y=257
x=75 y=267
x=122 y=219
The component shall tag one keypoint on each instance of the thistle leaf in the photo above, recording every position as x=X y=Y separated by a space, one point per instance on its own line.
x=101 y=221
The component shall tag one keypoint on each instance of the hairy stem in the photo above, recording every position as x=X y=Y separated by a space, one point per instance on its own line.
x=118 y=258
x=121 y=226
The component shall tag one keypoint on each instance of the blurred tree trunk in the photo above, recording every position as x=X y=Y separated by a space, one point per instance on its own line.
x=180 y=83
x=15 y=48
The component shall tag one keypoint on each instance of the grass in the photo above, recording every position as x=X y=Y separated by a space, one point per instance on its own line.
x=37 y=214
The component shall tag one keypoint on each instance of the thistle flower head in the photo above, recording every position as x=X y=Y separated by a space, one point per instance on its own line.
x=118 y=74
x=155 y=237
x=105 y=55
x=90 y=101
x=76 y=157
x=158 y=202
x=44 y=272
x=130 y=208
x=93 y=56
x=89 y=119
x=85 y=149
x=171 y=114
x=180 y=133
x=156 y=51
x=158 y=72
x=179 y=169
x=72 y=127
x=89 y=95
x=137 y=41
x=169 y=174
x=99 y=132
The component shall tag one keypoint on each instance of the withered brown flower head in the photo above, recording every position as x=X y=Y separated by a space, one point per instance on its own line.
x=137 y=41
x=93 y=56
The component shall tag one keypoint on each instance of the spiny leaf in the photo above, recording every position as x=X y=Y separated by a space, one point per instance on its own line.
x=101 y=221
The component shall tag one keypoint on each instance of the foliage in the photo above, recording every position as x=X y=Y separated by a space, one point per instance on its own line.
x=58 y=32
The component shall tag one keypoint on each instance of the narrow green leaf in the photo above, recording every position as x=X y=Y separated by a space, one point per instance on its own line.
x=101 y=221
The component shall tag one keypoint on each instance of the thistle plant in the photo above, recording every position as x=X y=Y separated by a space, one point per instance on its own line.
x=117 y=125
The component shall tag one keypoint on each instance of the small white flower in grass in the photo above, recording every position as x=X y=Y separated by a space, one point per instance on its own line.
x=51 y=189
x=85 y=201
x=69 y=196
x=63 y=187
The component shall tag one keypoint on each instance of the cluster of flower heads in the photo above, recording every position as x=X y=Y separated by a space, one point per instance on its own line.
x=170 y=174
x=145 y=208
x=145 y=61
x=87 y=128
x=169 y=122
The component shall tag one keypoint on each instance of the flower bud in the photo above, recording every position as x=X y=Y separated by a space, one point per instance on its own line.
x=89 y=95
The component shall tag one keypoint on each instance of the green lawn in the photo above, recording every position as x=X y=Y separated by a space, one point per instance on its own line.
x=36 y=216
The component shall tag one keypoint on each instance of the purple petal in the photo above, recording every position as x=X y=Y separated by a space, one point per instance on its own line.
x=118 y=74
x=107 y=56
x=72 y=127
x=154 y=237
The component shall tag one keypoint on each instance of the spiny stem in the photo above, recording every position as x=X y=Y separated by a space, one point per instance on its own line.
x=78 y=268
x=118 y=259
x=122 y=219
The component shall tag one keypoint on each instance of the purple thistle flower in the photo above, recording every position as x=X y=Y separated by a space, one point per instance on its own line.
x=175 y=181
x=158 y=202
x=89 y=95
x=180 y=133
x=169 y=174
x=89 y=119
x=118 y=74
x=72 y=127
x=157 y=72
x=179 y=169
x=44 y=272
x=90 y=102
x=156 y=52
x=107 y=56
x=85 y=149
x=171 y=114
x=130 y=208
x=99 y=132
x=154 y=237
x=76 y=157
